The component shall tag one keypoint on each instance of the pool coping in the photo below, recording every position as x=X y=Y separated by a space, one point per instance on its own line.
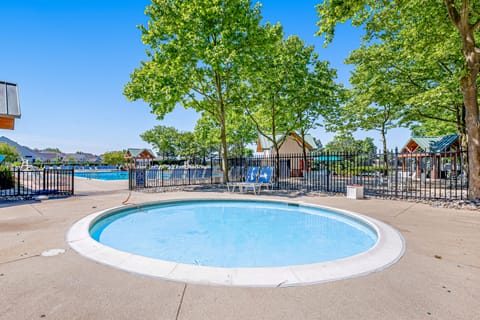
x=389 y=248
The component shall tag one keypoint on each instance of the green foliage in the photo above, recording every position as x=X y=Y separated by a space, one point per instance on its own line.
x=346 y=143
x=11 y=154
x=198 y=51
x=290 y=88
x=162 y=138
x=114 y=157
x=6 y=178
x=407 y=69
x=57 y=150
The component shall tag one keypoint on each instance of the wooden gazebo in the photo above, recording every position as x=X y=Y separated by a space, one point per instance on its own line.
x=434 y=148
x=139 y=157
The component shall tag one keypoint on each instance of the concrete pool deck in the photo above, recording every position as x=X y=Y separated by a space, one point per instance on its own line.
x=437 y=278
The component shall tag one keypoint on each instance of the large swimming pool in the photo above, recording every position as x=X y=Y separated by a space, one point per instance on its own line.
x=103 y=175
x=237 y=242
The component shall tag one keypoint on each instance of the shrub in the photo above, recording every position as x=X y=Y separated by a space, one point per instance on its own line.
x=6 y=178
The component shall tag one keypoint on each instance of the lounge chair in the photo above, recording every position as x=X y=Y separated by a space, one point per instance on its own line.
x=265 y=178
x=196 y=175
x=251 y=177
x=207 y=175
x=177 y=176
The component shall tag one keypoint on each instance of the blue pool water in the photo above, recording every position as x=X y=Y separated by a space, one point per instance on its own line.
x=224 y=233
x=106 y=175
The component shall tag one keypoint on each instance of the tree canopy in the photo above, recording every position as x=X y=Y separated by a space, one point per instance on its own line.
x=431 y=47
x=114 y=157
x=198 y=51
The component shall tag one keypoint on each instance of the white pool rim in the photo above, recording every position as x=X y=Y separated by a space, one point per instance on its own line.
x=388 y=249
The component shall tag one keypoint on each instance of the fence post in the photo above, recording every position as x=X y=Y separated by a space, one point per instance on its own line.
x=130 y=179
x=395 y=166
x=73 y=181
x=211 y=170
x=327 y=172
x=18 y=182
x=44 y=177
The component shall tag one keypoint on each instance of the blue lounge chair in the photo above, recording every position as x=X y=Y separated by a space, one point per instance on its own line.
x=197 y=174
x=207 y=175
x=177 y=176
x=250 y=179
x=265 y=178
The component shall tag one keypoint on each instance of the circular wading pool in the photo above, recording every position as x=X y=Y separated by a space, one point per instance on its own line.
x=237 y=242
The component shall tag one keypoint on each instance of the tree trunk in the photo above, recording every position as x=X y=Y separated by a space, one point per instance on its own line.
x=223 y=134
x=223 y=127
x=461 y=21
x=277 y=162
x=385 y=151
x=469 y=88
x=304 y=149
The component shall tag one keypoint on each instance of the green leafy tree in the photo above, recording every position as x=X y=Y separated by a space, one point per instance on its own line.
x=11 y=154
x=342 y=143
x=290 y=89
x=266 y=104
x=198 y=51
x=422 y=33
x=242 y=132
x=207 y=136
x=313 y=93
x=114 y=157
x=162 y=138
x=186 y=146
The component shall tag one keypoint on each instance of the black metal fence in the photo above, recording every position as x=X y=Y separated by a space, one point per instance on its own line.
x=31 y=183
x=391 y=175
x=174 y=177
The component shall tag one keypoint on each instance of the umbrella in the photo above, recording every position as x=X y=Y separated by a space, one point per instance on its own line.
x=328 y=158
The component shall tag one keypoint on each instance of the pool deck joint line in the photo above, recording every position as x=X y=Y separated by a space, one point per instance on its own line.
x=389 y=249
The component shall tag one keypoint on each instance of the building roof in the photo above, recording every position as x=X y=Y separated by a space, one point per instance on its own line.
x=266 y=144
x=135 y=152
x=24 y=152
x=431 y=144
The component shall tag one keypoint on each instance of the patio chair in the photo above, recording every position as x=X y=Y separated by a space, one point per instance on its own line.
x=251 y=177
x=207 y=175
x=197 y=175
x=177 y=176
x=265 y=178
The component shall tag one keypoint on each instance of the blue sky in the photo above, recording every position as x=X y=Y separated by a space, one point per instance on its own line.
x=72 y=58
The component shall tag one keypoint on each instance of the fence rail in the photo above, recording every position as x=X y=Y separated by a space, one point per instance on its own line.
x=393 y=175
x=32 y=183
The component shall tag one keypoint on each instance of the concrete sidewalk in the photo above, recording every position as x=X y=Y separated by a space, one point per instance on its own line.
x=437 y=278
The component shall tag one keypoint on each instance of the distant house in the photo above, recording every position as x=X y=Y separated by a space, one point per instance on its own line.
x=139 y=157
x=82 y=157
x=25 y=152
x=9 y=105
x=50 y=156
x=431 y=155
x=291 y=145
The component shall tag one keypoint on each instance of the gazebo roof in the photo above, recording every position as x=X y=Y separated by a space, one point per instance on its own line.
x=136 y=153
x=430 y=144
